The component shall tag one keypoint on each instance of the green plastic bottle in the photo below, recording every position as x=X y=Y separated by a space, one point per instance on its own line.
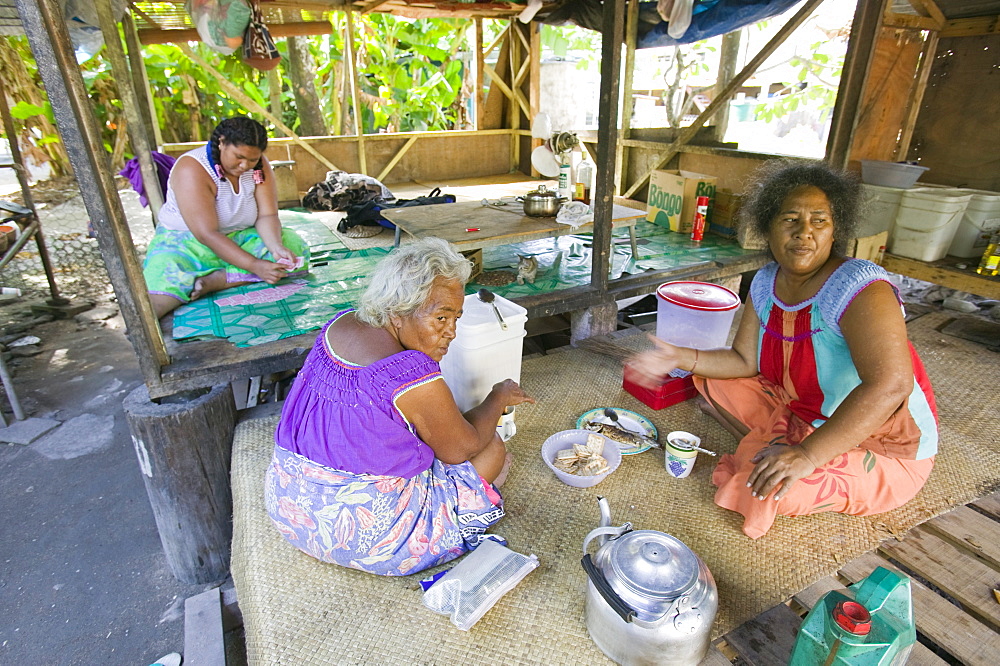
x=871 y=624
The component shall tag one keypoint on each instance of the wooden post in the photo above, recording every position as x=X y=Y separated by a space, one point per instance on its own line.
x=860 y=50
x=140 y=81
x=514 y=113
x=917 y=95
x=727 y=70
x=184 y=449
x=628 y=100
x=359 y=125
x=480 y=96
x=274 y=96
x=130 y=104
x=46 y=30
x=613 y=34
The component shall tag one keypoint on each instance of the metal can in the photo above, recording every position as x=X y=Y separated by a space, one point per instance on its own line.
x=701 y=212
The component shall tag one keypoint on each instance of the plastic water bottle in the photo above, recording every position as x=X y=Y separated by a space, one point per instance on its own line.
x=871 y=624
x=990 y=263
x=584 y=180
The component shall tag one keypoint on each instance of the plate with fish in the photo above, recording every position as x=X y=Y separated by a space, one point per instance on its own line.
x=633 y=432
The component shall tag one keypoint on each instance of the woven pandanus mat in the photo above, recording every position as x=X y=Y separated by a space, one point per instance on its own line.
x=300 y=611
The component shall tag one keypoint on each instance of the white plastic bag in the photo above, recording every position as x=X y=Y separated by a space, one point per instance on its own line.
x=477 y=582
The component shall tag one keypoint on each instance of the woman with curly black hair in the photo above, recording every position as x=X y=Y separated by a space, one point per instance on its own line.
x=830 y=402
x=219 y=226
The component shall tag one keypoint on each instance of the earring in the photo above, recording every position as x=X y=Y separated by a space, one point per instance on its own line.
x=218 y=170
x=258 y=176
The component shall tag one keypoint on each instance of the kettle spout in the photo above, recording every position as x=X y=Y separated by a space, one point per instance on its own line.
x=605 y=508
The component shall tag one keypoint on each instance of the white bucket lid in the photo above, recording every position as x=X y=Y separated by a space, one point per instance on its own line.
x=478 y=317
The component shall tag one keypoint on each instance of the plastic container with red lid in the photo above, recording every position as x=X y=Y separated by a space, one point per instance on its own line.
x=695 y=314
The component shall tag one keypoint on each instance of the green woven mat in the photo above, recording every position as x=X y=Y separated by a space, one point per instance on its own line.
x=339 y=275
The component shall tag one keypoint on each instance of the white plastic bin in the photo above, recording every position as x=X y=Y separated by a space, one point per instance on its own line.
x=482 y=353
x=695 y=314
x=881 y=208
x=981 y=219
x=927 y=221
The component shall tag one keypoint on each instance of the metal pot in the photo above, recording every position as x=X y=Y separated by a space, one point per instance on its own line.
x=650 y=599
x=542 y=202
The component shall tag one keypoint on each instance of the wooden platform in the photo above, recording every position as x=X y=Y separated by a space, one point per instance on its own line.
x=954 y=566
x=946 y=272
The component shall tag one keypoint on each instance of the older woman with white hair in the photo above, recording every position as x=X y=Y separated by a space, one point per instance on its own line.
x=374 y=466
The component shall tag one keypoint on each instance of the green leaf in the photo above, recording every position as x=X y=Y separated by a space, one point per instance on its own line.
x=23 y=110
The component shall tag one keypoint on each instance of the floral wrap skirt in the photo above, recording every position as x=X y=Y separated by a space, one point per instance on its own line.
x=385 y=525
x=175 y=259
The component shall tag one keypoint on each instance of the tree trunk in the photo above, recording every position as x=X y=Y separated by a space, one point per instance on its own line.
x=302 y=72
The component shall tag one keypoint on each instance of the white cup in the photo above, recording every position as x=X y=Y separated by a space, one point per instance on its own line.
x=679 y=460
x=506 y=427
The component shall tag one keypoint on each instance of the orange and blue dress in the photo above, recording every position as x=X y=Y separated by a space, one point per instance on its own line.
x=805 y=373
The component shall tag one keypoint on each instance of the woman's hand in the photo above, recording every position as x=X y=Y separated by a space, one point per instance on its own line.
x=649 y=368
x=282 y=255
x=512 y=393
x=269 y=272
x=778 y=465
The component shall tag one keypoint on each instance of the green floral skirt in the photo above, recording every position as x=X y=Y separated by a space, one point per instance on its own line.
x=175 y=259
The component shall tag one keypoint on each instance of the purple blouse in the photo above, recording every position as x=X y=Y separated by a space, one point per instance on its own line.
x=343 y=415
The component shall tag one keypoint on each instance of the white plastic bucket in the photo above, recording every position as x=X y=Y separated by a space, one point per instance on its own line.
x=882 y=206
x=482 y=353
x=981 y=219
x=695 y=314
x=927 y=221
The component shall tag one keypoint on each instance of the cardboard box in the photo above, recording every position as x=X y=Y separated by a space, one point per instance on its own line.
x=868 y=247
x=475 y=258
x=724 y=217
x=673 y=195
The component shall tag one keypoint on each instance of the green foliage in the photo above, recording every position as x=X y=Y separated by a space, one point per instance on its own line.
x=816 y=83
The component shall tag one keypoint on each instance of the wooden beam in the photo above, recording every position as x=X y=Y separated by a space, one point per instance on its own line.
x=612 y=38
x=534 y=80
x=912 y=21
x=372 y=5
x=359 y=126
x=514 y=113
x=917 y=95
x=233 y=91
x=179 y=36
x=970 y=27
x=45 y=27
x=930 y=9
x=686 y=134
x=860 y=52
x=395 y=158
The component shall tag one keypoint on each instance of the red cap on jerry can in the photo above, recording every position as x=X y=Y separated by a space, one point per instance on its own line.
x=853 y=617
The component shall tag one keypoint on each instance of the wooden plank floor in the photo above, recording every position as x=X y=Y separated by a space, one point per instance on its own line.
x=953 y=562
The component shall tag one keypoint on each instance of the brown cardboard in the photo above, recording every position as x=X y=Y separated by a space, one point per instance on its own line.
x=724 y=218
x=868 y=247
x=673 y=195
x=475 y=258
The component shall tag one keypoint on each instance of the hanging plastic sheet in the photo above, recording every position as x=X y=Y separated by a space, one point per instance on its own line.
x=708 y=18
x=714 y=17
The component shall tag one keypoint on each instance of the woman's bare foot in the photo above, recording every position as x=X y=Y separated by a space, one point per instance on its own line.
x=502 y=476
x=206 y=285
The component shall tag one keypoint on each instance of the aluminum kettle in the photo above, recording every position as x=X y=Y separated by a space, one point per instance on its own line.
x=650 y=599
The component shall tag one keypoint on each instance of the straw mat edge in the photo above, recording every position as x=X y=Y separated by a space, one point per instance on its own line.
x=298 y=610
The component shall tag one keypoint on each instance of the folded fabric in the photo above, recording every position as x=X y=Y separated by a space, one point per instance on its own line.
x=163 y=163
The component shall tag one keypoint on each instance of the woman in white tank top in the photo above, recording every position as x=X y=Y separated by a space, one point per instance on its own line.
x=219 y=226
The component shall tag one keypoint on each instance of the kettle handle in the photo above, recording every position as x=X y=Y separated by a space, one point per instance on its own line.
x=596 y=576
x=605 y=532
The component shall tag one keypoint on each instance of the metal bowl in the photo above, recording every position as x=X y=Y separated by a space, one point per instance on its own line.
x=542 y=202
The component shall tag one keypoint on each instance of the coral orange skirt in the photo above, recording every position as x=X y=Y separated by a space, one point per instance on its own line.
x=859 y=482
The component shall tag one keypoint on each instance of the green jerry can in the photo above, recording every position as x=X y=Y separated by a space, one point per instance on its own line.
x=869 y=624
